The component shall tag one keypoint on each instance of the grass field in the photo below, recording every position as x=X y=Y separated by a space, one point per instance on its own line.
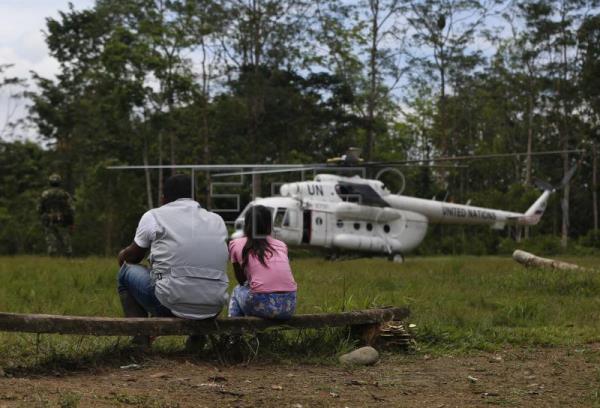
x=458 y=304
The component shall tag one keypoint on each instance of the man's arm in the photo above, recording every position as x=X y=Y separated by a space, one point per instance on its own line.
x=144 y=235
x=239 y=273
x=132 y=254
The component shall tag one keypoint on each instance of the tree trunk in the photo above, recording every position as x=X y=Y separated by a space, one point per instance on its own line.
x=147 y=175
x=566 y=111
x=444 y=127
x=372 y=80
x=529 y=140
x=565 y=203
x=172 y=144
x=256 y=186
x=206 y=153
x=205 y=128
x=529 y=147
x=595 y=185
x=160 y=170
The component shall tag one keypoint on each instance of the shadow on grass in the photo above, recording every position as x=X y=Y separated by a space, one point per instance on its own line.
x=270 y=347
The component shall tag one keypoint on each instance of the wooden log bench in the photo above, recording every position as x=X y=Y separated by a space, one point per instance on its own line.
x=364 y=322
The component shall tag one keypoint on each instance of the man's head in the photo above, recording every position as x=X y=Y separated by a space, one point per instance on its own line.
x=176 y=187
x=54 y=180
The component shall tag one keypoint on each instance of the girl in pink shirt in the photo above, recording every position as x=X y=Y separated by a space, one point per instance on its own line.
x=266 y=284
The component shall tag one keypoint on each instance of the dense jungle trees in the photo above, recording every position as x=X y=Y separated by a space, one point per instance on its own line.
x=255 y=81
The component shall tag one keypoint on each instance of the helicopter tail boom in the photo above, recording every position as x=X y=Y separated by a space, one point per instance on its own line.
x=533 y=215
x=451 y=213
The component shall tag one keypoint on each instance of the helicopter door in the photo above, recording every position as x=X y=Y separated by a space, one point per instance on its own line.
x=306 y=226
x=318 y=231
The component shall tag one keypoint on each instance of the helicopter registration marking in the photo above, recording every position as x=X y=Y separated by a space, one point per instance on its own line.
x=458 y=212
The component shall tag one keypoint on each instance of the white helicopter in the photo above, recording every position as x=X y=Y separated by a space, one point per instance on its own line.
x=352 y=213
x=362 y=215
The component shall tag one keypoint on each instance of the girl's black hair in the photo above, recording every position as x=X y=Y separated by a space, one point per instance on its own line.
x=257 y=225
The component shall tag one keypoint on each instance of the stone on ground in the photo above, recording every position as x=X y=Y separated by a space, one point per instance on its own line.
x=362 y=356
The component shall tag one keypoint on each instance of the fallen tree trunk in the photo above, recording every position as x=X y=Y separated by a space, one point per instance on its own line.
x=531 y=260
x=166 y=326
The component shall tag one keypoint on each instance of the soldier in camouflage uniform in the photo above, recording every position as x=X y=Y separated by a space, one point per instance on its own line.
x=57 y=214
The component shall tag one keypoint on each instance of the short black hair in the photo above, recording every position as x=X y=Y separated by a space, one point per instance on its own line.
x=178 y=186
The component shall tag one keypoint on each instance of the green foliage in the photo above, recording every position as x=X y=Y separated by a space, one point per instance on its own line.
x=294 y=81
x=23 y=177
x=540 y=244
x=589 y=40
x=591 y=239
x=109 y=203
x=294 y=117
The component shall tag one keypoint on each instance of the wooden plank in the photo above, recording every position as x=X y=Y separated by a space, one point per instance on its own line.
x=156 y=326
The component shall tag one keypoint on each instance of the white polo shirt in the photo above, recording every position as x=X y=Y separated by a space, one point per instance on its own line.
x=146 y=230
x=188 y=256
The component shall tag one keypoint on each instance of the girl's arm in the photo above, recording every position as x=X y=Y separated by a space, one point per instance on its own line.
x=239 y=273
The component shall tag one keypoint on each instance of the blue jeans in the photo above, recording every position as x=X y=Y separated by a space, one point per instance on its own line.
x=136 y=280
x=279 y=306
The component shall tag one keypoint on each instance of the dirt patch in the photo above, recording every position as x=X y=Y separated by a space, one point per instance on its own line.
x=553 y=377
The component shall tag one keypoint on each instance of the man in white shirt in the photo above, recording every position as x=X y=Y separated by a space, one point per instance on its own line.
x=188 y=256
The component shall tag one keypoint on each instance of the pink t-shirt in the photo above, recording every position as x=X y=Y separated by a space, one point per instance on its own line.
x=275 y=277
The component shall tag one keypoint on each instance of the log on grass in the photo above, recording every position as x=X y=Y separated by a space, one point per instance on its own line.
x=528 y=259
x=166 y=326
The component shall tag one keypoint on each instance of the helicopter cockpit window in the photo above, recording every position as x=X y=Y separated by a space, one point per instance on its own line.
x=286 y=219
x=280 y=218
x=347 y=194
x=359 y=193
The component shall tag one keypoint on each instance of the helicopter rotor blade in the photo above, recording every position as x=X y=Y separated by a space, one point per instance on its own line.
x=329 y=168
x=481 y=156
x=274 y=171
x=285 y=168
x=543 y=185
x=213 y=167
x=433 y=166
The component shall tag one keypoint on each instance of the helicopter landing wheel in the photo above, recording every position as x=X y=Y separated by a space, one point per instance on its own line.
x=396 y=258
